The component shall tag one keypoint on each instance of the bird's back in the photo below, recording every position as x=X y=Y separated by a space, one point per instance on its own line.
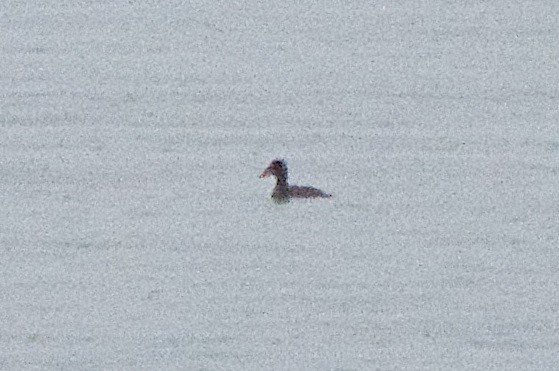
x=306 y=192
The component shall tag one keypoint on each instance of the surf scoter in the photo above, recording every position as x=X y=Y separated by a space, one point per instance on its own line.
x=283 y=191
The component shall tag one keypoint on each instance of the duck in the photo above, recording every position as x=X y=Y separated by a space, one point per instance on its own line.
x=283 y=191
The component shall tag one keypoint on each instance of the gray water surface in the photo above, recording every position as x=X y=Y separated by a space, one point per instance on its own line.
x=135 y=233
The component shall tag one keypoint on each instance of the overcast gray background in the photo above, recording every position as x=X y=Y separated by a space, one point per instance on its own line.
x=135 y=233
